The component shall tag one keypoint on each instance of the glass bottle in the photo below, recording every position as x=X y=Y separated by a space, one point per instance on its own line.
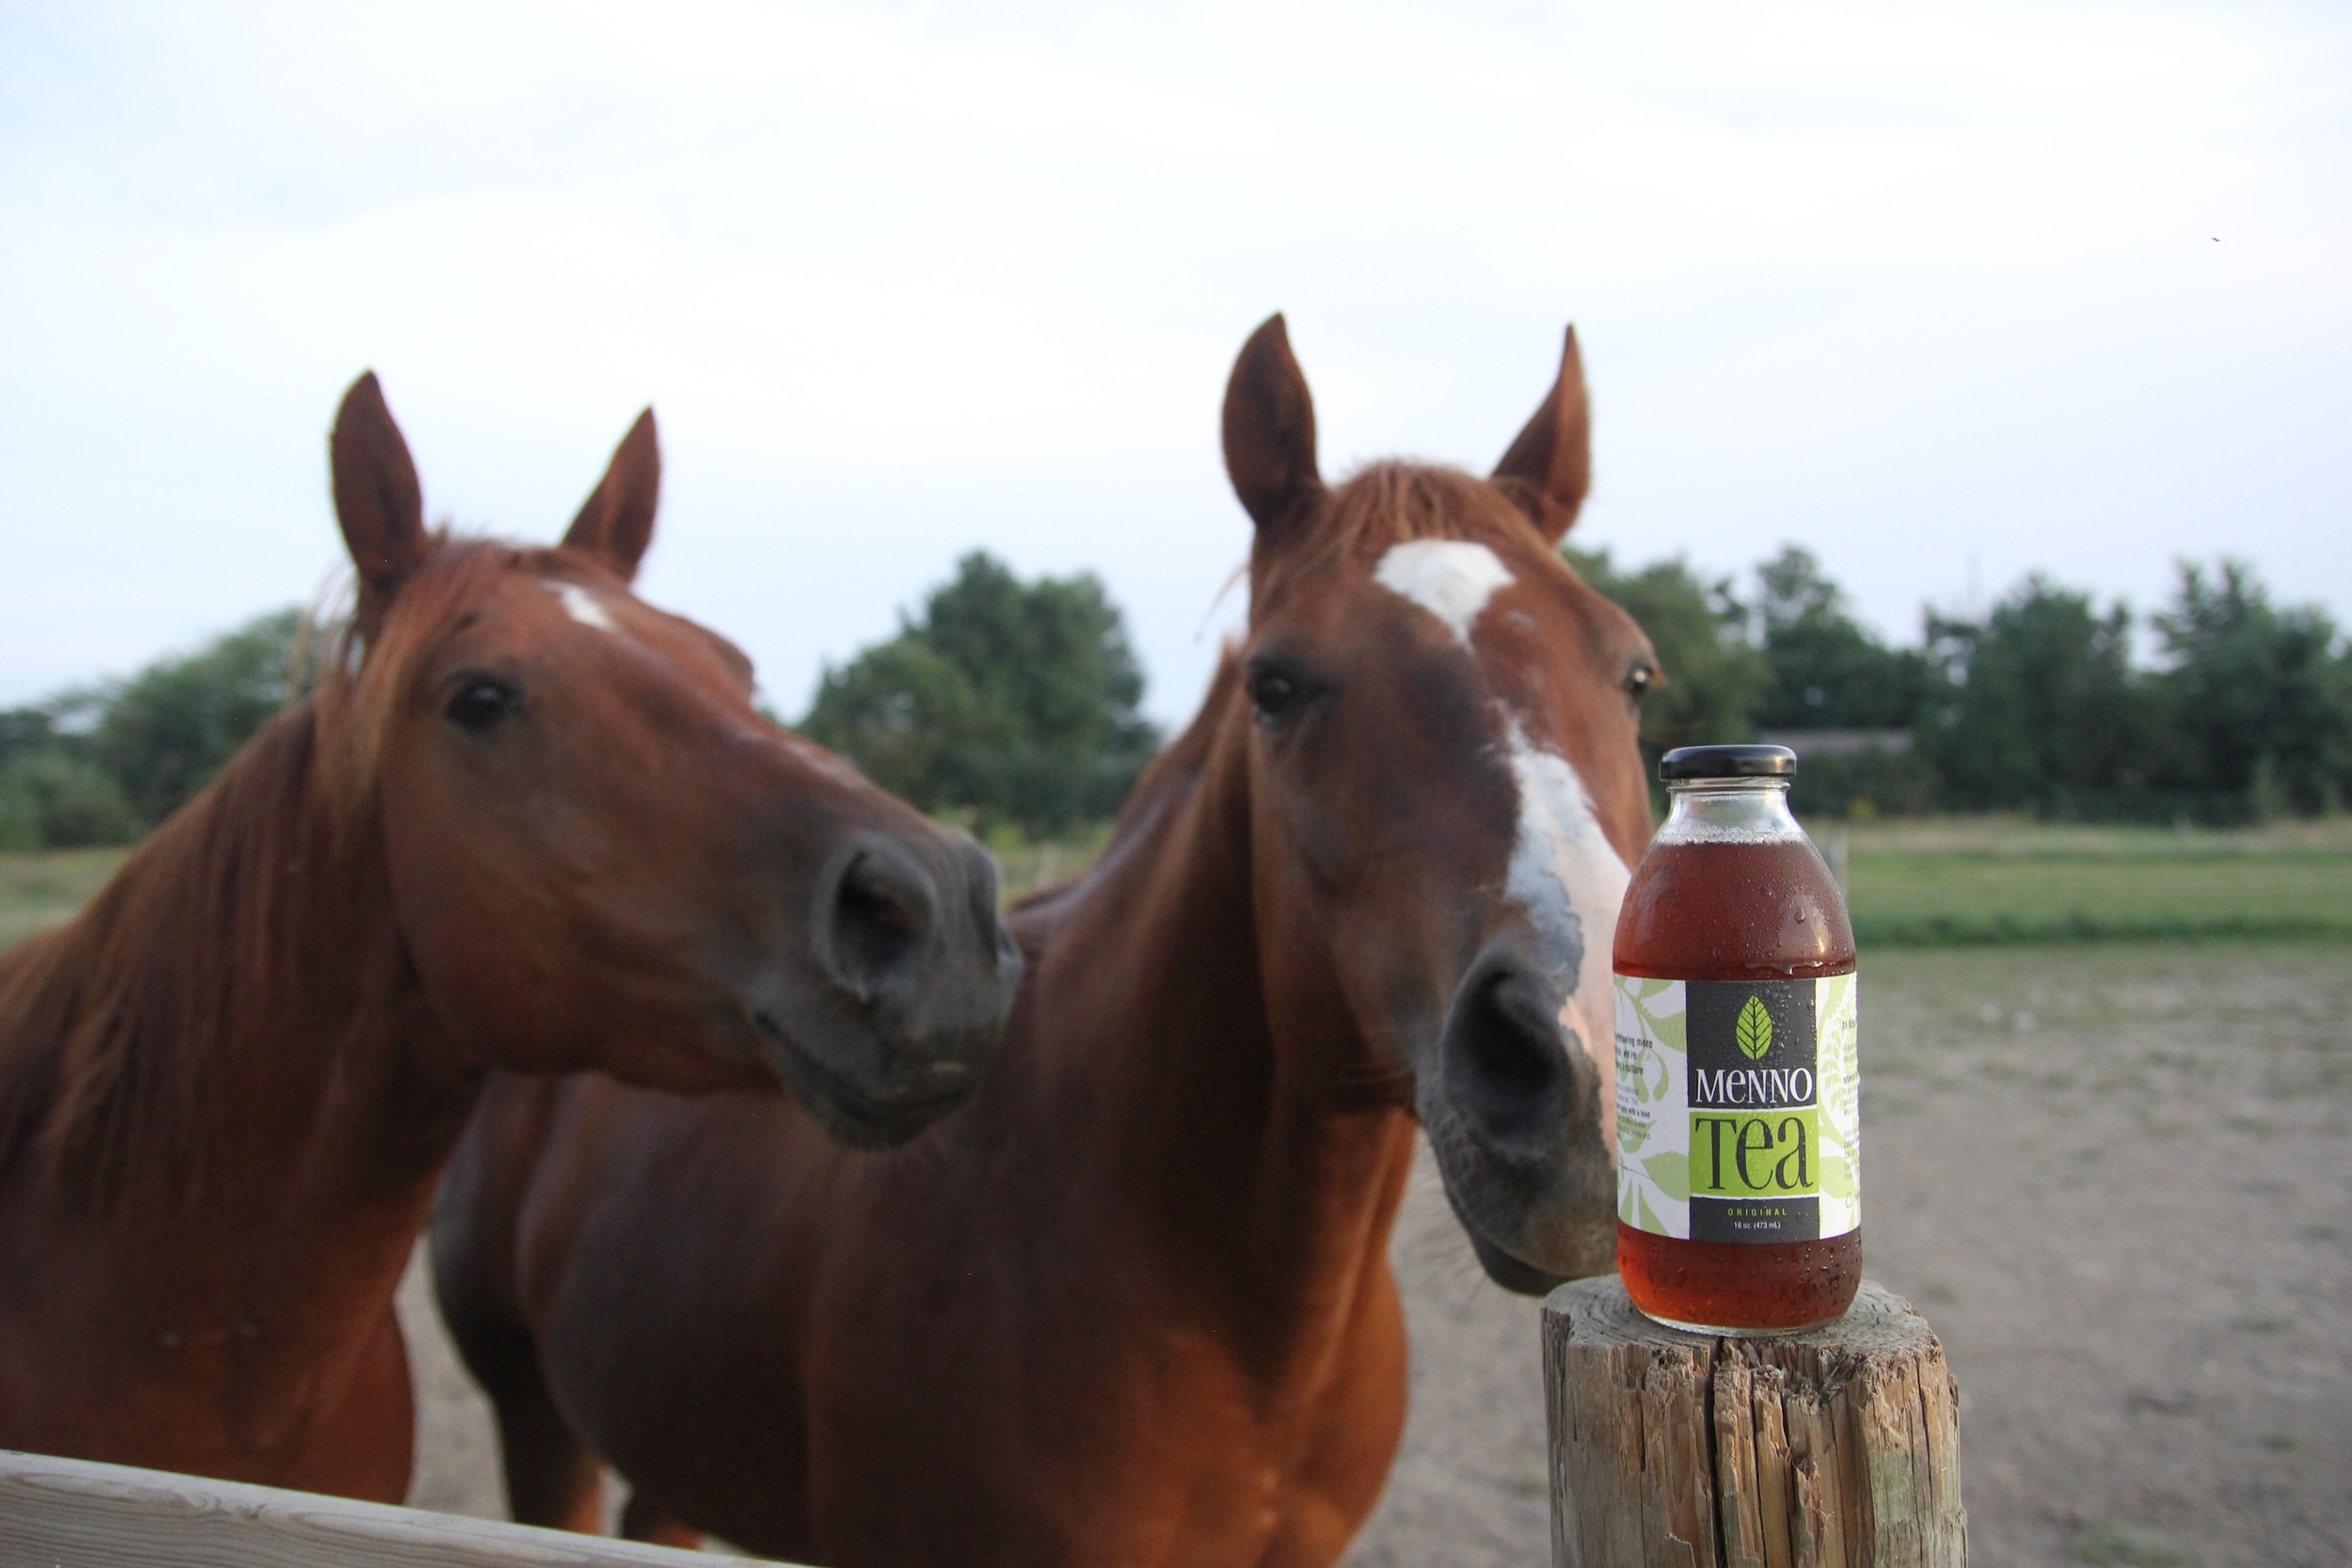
x=1738 y=1134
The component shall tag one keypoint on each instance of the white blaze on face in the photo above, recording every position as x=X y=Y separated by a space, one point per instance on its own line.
x=1569 y=880
x=1563 y=871
x=1451 y=578
x=583 y=606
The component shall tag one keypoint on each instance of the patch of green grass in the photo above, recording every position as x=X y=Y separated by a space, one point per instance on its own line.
x=47 y=887
x=2018 y=835
x=1952 y=882
x=2000 y=883
x=1025 y=867
x=2105 y=1543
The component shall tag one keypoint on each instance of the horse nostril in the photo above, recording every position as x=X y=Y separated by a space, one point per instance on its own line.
x=877 y=919
x=1508 y=1060
x=1505 y=1063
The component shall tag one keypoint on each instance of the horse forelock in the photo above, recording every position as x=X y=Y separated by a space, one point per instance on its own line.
x=1388 y=503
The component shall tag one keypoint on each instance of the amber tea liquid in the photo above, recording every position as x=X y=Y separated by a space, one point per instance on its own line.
x=1738 y=1203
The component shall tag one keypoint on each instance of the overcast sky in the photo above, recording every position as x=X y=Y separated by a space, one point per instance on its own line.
x=1935 y=290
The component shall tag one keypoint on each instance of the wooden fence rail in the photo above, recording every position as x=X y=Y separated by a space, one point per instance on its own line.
x=71 y=1513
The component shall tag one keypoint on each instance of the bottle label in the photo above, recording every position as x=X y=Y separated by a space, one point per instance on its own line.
x=1739 y=1109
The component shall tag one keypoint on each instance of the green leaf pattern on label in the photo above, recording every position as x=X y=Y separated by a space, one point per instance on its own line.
x=1755 y=1031
x=1653 y=1116
x=1670 y=1173
x=1837 y=1006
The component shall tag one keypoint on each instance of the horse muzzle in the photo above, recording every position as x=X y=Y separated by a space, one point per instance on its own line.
x=894 y=1020
x=1513 y=1114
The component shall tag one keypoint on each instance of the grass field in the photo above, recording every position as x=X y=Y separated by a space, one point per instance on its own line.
x=1946 y=881
x=1941 y=882
x=1934 y=882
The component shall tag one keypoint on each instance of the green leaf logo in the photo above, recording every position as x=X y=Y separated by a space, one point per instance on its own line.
x=1755 y=1029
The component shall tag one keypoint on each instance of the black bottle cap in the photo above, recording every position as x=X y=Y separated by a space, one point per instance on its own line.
x=1729 y=762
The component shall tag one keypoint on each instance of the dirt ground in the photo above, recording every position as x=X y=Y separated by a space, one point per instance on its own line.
x=2117 y=1181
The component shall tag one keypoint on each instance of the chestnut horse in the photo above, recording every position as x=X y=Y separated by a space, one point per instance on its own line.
x=526 y=821
x=1134 y=1305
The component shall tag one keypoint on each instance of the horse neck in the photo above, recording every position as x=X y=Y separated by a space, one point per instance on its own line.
x=1245 y=1135
x=228 y=1031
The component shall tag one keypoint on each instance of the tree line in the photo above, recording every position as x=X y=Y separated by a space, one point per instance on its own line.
x=2242 y=713
x=98 y=765
x=1013 y=706
x=1008 y=706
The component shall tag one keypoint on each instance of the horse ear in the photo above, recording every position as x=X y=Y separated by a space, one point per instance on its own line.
x=1270 y=432
x=376 y=498
x=616 y=524
x=1549 y=467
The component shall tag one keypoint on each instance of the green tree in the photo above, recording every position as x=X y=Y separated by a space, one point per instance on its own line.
x=2257 y=700
x=166 y=732
x=53 y=793
x=1827 y=671
x=1014 y=703
x=1714 y=677
x=2040 y=707
x=26 y=729
x=56 y=798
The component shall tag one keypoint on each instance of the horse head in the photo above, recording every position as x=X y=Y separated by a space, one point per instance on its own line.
x=600 y=854
x=1446 y=794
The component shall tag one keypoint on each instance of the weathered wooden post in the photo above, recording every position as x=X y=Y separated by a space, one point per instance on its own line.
x=1837 y=1448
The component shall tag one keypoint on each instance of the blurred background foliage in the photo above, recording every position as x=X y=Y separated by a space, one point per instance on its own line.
x=2220 y=708
x=1012 y=706
x=103 y=764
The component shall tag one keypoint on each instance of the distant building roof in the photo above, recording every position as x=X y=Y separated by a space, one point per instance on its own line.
x=1836 y=744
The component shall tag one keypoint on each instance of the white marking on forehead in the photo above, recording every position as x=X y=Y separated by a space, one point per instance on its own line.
x=1569 y=877
x=1452 y=579
x=583 y=606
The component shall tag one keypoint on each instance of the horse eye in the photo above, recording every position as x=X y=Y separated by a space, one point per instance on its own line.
x=480 y=704
x=1639 y=680
x=1273 y=693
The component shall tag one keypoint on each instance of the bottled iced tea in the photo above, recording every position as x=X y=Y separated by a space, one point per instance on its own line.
x=1738 y=1128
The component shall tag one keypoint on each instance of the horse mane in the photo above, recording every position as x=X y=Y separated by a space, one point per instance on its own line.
x=115 y=1029
x=122 y=1031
